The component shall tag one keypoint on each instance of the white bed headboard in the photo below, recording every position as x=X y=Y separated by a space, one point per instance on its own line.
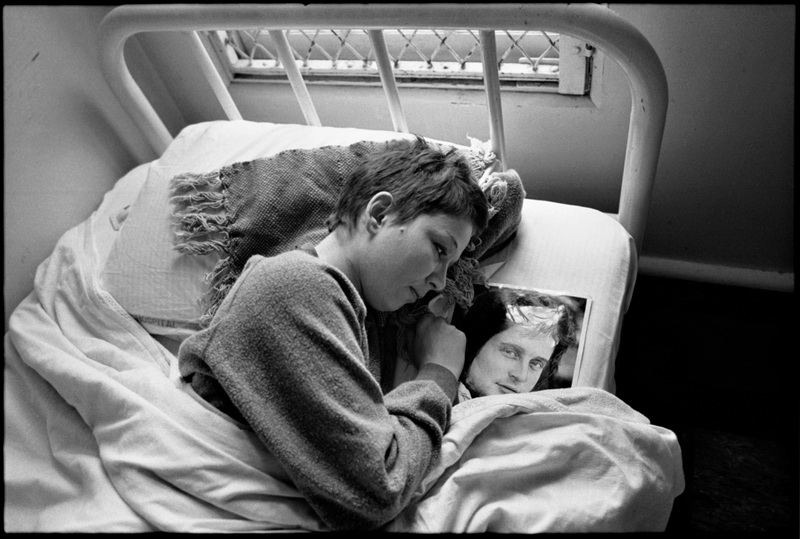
x=595 y=24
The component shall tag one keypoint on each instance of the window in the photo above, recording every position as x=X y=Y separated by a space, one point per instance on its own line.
x=527 y=60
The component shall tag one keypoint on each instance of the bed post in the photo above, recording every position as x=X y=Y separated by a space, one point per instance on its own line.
x=295 y=78
x=388 y=81
x=491 y=78
x=217 y=84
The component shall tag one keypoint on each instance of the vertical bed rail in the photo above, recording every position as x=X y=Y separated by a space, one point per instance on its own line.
x=388 y=80
x=491 y=80
x=605 y=30
x=215 y=80
x=295 y=77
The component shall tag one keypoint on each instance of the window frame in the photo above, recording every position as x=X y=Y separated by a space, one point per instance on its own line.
x=582 y=59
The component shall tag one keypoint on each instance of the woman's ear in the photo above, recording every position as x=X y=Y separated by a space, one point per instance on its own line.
x=377 y=208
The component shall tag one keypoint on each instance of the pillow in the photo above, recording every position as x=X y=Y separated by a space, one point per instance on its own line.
x=270 y=205
x=162 y=287
x=155 y=284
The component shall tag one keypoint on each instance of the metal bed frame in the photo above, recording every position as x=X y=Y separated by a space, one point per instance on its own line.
x=595 y=24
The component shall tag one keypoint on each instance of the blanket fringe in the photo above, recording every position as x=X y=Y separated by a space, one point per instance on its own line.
x=195 y=223
x=190 y=181
x=204 y=247
x=200 y=203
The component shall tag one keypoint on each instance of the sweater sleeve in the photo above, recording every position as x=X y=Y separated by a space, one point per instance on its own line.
x=288 y=347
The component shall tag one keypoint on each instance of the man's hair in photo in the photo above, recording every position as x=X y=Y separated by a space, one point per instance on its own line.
x=488 y=316
x=422 y=180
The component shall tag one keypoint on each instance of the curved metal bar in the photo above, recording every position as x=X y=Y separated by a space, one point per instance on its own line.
x=113 y=32
x=601 y=27
x=387 y=79
x=295 y=78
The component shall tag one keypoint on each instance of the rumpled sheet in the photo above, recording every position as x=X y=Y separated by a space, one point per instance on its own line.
x=100 y=436
x=560 y=460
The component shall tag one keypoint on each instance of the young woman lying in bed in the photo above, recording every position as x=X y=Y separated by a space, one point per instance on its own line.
x=288 y=351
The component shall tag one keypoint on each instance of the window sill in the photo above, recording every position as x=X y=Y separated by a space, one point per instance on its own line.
x=542 y=94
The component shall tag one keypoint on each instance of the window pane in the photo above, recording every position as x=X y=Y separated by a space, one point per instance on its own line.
x=417 y=55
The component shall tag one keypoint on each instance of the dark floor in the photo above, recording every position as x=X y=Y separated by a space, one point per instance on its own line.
x=714 y=364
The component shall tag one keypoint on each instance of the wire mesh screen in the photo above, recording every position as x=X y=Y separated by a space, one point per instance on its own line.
x=454 y=55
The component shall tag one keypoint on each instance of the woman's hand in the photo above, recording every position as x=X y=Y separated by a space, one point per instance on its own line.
x=436 y=341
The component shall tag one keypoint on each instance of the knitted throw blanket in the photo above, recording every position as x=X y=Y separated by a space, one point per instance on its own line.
x=270 y=205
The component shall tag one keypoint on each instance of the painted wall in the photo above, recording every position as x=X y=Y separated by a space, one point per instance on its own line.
x=724 y=194
x=66 y=141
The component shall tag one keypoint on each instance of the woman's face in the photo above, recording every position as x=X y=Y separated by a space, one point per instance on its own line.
x=510 y=362
x=406 y=261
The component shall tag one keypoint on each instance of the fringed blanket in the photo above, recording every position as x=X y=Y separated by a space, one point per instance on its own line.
x=270 y=205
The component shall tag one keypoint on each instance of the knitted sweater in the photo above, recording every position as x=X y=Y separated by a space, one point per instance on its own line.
x=289 y=348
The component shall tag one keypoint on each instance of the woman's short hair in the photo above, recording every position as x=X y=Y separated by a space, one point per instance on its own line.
x=422 y=180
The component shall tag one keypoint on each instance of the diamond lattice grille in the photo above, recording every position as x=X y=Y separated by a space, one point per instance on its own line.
x=521 y=56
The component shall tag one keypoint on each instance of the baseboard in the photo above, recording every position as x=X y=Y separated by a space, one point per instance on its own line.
x=716 y=274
